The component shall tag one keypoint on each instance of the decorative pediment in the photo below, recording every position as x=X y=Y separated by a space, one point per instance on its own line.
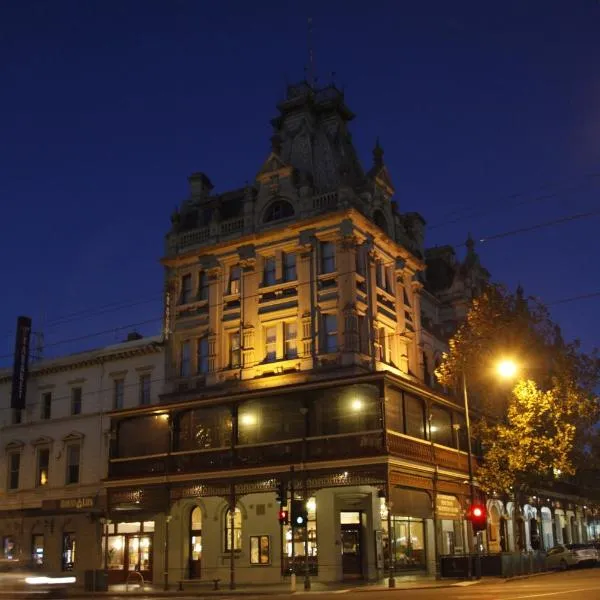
x=273 y=166
x=14 y=445
x=43 y=440
x=74 y=436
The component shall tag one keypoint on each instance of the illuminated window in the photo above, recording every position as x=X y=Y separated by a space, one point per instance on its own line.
x=234 y=280
x=235 y=351
x=291 y=334
x=43 y=464
x=260 y=550
x=68 y=554
x=271 y=344
x=233 y=533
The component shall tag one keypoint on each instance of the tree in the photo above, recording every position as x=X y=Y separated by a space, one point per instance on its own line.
x=539 y=428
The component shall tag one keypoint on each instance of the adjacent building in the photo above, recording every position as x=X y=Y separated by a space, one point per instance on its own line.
x=54 y=455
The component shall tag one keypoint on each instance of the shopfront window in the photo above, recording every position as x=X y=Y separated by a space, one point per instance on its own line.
x=129 y=547
x=295 y=538
x=407 y=543
x=69 y=551
x=233 y=530
x=9 y=548
x=37 y=549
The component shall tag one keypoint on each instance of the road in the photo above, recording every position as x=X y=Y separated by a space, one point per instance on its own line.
x=581 y=584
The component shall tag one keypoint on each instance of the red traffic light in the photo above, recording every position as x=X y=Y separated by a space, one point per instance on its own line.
x=478 y=517
x=283 y=516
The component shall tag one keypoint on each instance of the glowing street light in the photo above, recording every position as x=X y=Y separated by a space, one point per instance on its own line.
x=507 y=369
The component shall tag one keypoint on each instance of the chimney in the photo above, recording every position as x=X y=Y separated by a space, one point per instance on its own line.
x=200 y=185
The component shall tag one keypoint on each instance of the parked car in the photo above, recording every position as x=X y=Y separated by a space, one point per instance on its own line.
x=563 y=556
x=28 y=579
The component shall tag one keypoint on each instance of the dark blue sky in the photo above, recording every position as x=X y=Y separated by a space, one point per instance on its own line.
x=107 y=105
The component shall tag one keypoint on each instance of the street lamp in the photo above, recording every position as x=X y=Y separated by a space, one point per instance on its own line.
x=506 y=369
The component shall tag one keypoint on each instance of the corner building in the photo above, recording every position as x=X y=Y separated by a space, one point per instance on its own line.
x=293 y=355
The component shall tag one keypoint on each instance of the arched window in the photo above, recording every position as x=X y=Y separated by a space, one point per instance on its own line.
x=233 y=533
x=195 y=542
x=280 y=209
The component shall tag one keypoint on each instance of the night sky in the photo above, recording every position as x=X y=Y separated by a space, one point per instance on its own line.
x=488 y=112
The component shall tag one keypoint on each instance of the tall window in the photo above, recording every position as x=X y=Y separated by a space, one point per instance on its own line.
x=330 y=333
x=186 y=359
x=203 y=286
x=14 y=462
x=118 y=394
x=271 y=343
x=269 y=271
x=234 y=280
x=235 y=532
x=381 y=344
x=289 y=267
x=203 y=355
x=145 y=388
x=290 y=340
x=235 y=350
x=43 y=464
x=327 y=257
x=186 y=289
x=46 y=405
x=76 y=395
x=73 y=457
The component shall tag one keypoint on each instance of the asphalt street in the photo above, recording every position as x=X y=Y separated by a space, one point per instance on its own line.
x=581 y=584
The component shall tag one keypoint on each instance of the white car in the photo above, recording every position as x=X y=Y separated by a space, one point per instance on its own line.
x=563 y=556
x=27 y=579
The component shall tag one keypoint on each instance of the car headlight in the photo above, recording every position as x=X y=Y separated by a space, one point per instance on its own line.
x=49 y=580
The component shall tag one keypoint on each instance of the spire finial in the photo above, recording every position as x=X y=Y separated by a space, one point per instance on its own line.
x=470 y=244
x=378 y=153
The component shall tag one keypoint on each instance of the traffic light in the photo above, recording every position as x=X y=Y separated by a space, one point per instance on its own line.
x=299 y=514
x=282 y=493
x=284 y=517
x=477 y=514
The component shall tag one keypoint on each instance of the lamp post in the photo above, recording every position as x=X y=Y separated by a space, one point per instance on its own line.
x=506 y=369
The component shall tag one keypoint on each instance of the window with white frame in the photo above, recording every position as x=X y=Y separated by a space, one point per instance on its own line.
x=186 y=289
x=235 y=350
x=145 y=388
x=270 y=343
x=118 y=394
x=76 y=400
x=46 y=410
x=234 y=280
x=327 y=257
x=290 y=333
x=203 y=355
x=330 y=343
x=14 y=468
x=289 y=267
x=203 y=286
x=73 y=459
x=185 y=366
x=269 y=272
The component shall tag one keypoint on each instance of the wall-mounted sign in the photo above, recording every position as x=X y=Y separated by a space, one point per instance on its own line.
x=21 y=364
x=70 y=504
x=448 y=507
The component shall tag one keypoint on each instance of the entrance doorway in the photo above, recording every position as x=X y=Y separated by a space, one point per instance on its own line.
x=351 y=536
x=195 y=543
